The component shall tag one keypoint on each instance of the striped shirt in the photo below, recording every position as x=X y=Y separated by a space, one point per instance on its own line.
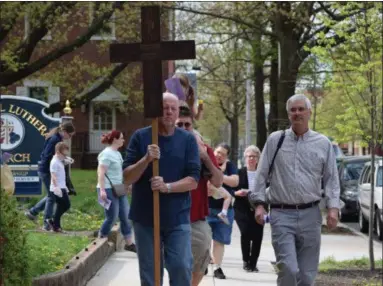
x=251 y=179
x=298 y=169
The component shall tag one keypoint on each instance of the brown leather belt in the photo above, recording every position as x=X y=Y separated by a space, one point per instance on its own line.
x=295 y=207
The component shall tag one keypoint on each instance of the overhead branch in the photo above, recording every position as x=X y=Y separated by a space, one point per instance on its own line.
x=9 y=77
x=38 y=31
x=337 y=17
x=225 y=17
x=228 y=114
x=91 y=92
x=8 y=23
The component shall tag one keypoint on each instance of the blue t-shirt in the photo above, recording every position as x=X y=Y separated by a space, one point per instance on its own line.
x=218 y=204
x=179 y=159
x=48 y=152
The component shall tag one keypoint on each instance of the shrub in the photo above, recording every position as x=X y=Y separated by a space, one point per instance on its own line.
x=13 y=250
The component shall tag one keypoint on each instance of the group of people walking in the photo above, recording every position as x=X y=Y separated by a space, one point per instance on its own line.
x=202 y=193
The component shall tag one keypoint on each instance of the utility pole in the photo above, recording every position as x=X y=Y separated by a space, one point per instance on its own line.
x=314 y=93
x=248 y=106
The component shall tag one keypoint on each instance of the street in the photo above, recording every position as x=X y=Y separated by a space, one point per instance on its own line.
x=355 y=226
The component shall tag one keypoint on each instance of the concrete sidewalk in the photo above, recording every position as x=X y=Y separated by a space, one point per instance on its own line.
x=122 y=267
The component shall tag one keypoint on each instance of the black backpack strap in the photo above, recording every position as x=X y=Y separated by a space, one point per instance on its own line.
x=280 y=142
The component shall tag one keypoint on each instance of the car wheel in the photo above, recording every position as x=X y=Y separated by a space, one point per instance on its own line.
x=342 y=217
x=363 y=223
x=378 y=224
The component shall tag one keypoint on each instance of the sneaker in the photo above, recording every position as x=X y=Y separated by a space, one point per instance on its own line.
x=59 y=230
x=253 y=268
x=246 y=266
x=30 y=216
x=46 y=228
x=224 y=218
x=218 y=273
x=131 y=248
x=49 y=224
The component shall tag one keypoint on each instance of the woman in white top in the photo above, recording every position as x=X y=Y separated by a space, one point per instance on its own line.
x=110 y=166
x=251 y=232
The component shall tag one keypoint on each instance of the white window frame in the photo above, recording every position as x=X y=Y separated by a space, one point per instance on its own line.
x=27 y=26
x=52 y=90
x=91 y=119
x=112 y=19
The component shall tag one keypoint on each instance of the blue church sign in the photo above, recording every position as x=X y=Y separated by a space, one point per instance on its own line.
x=23 y=128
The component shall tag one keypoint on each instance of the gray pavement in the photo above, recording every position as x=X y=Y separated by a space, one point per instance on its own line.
x=122 y=267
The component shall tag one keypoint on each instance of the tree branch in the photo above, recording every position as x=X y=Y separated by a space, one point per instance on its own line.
x=225 y=111
x=7 y=24
x=25 y=50
x=87 y=95
x=224 y=17
x=9 y=77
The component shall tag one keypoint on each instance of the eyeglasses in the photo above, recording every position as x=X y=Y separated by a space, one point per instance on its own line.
x=252 y=156
x=182 y=124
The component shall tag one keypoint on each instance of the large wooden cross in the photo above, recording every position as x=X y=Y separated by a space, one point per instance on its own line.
x=151 y=52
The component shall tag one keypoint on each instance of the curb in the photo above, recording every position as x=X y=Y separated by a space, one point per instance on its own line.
x=358 y=233
x=81 y=268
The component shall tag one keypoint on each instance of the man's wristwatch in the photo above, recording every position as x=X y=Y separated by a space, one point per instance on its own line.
x=169 y=188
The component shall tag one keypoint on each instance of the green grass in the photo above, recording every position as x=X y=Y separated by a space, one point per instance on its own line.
x=361 y=263
x=50 y=252
x=85 y=212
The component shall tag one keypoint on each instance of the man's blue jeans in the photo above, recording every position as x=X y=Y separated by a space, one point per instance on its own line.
x=176 y=253
x=118 y=208
x=48 y=202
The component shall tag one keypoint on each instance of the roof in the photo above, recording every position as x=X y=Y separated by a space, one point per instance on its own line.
x=348 y=159
x=378 y=161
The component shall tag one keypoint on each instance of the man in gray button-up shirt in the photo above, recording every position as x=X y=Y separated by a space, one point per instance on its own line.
x=304 y=159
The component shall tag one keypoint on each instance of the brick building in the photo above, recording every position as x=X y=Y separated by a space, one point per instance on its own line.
x=103 y=113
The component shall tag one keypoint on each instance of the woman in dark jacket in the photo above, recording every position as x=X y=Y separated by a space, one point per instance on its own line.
x=251 y=232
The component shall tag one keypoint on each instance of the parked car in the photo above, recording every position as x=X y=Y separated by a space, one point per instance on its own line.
x=349 y=170
x=338 y=151
x=364 y=187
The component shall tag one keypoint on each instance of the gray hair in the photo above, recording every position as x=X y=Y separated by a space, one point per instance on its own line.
x=297 y=97
x=168 y=95
x=252 y=148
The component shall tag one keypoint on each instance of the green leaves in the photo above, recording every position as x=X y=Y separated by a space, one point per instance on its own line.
x=355 y=87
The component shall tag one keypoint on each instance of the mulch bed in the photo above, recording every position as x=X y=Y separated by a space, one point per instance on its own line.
x=338 y=230
x=353 y=277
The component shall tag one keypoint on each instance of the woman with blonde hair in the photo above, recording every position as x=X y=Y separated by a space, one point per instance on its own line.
x=251 y=231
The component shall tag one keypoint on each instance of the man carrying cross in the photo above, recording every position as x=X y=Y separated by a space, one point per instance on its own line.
x=164 y=216
x=179 y=163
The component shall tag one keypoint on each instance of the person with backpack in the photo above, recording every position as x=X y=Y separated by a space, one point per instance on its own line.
x=295 y=161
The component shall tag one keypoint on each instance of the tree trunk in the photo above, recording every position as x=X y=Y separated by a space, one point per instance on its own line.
x=260 y=117
x=273 y=79
x=234 y=126
x=289 y=67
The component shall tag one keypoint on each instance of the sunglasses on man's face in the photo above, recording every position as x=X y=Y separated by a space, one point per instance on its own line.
x=182 y=124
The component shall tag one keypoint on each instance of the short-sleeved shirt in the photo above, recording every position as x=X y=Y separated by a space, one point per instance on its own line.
x=218 y=204
x=112 y=159
x=179 y=159
x=199 y=197
x=57 y=167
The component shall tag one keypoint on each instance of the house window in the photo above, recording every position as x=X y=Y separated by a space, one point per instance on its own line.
x=108 y=31
x=102 y=118
x=27 y=27
x=38 y=92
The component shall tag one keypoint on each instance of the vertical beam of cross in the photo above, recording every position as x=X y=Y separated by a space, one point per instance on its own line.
x=152 y=51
